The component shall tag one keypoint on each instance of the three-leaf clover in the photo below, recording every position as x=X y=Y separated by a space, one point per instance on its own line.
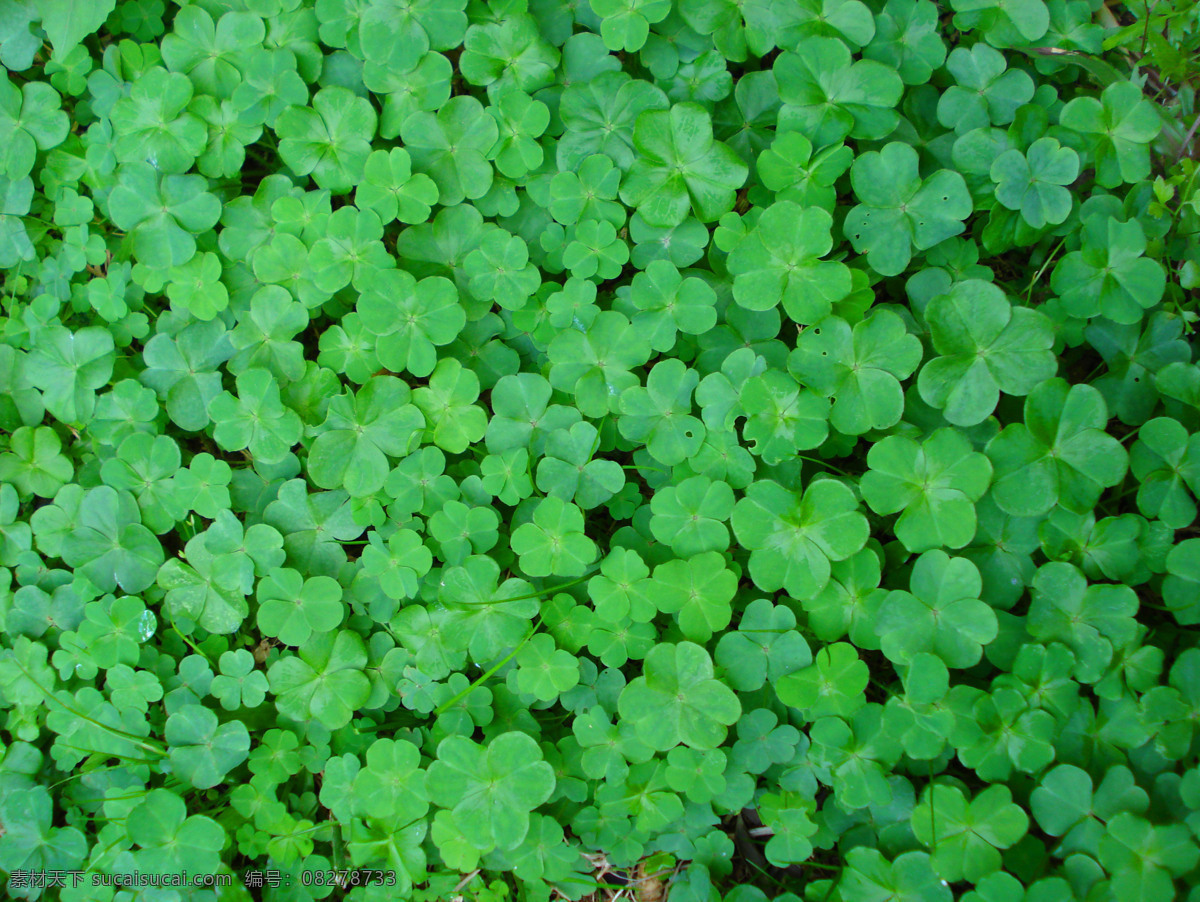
x=678 y=700
x=491 y=789
x=793 y=537
x=985 y=346
x=941 y=614
x=1059 y=455
x=934 y=485
x=1110 y=275
x=900 y=211
x=859 y=368
x=554 y=543
x=779 y=262
x=679 y=167
x=1033 y=182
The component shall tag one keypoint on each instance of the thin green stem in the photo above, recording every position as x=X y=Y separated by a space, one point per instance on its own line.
x=129 y=737
x=826 y=464
x=1037 y=275
x=1126 y=438
x=882 y=688
x=817 y=864
x=487 y=674
x=596 y=443
x=932 y=813
x=190 y=644
x=538 y=594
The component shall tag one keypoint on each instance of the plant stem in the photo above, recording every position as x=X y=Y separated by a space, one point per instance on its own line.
x=487 y=674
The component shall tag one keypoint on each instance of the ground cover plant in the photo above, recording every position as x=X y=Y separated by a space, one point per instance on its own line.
x=602 y=449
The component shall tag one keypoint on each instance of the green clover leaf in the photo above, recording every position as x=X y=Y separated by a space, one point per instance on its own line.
x=410 y=319
x=600 y=115
x=1093 y=621
x=900 y=211
x=969 y=833
x=452 y=420
x=941 y=614
x=108 y=543
x=330 y=140
x=659 y=413
x=907 y=39
x=34 y=463
x=256 y=418
x=1166 y=462
x=392 y=190
x=162 y=214
x=292 y=609
x=360 y=432
x=626 y=23
x=1110 y=276
x=1059 y=455
x=1032 y=182
x=154 y=126
x=1120 y=126
x=554 y=543
x=1181 y=588
x=239 y=684
x=668 y=303
x=986 y=346
x=859 y=368
x=491 y=789
x=325 y=681
x=934 y=485
x=569 y=471
x=985 y=93
x=677 y=700
x=451 y=147
x=202 y=752
x=827 y=96
x=691 y=515
x=782 y=417
x=680 y=168
x=779 y=262
x=793 y=537
x=169 y=840
x=30 y=120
